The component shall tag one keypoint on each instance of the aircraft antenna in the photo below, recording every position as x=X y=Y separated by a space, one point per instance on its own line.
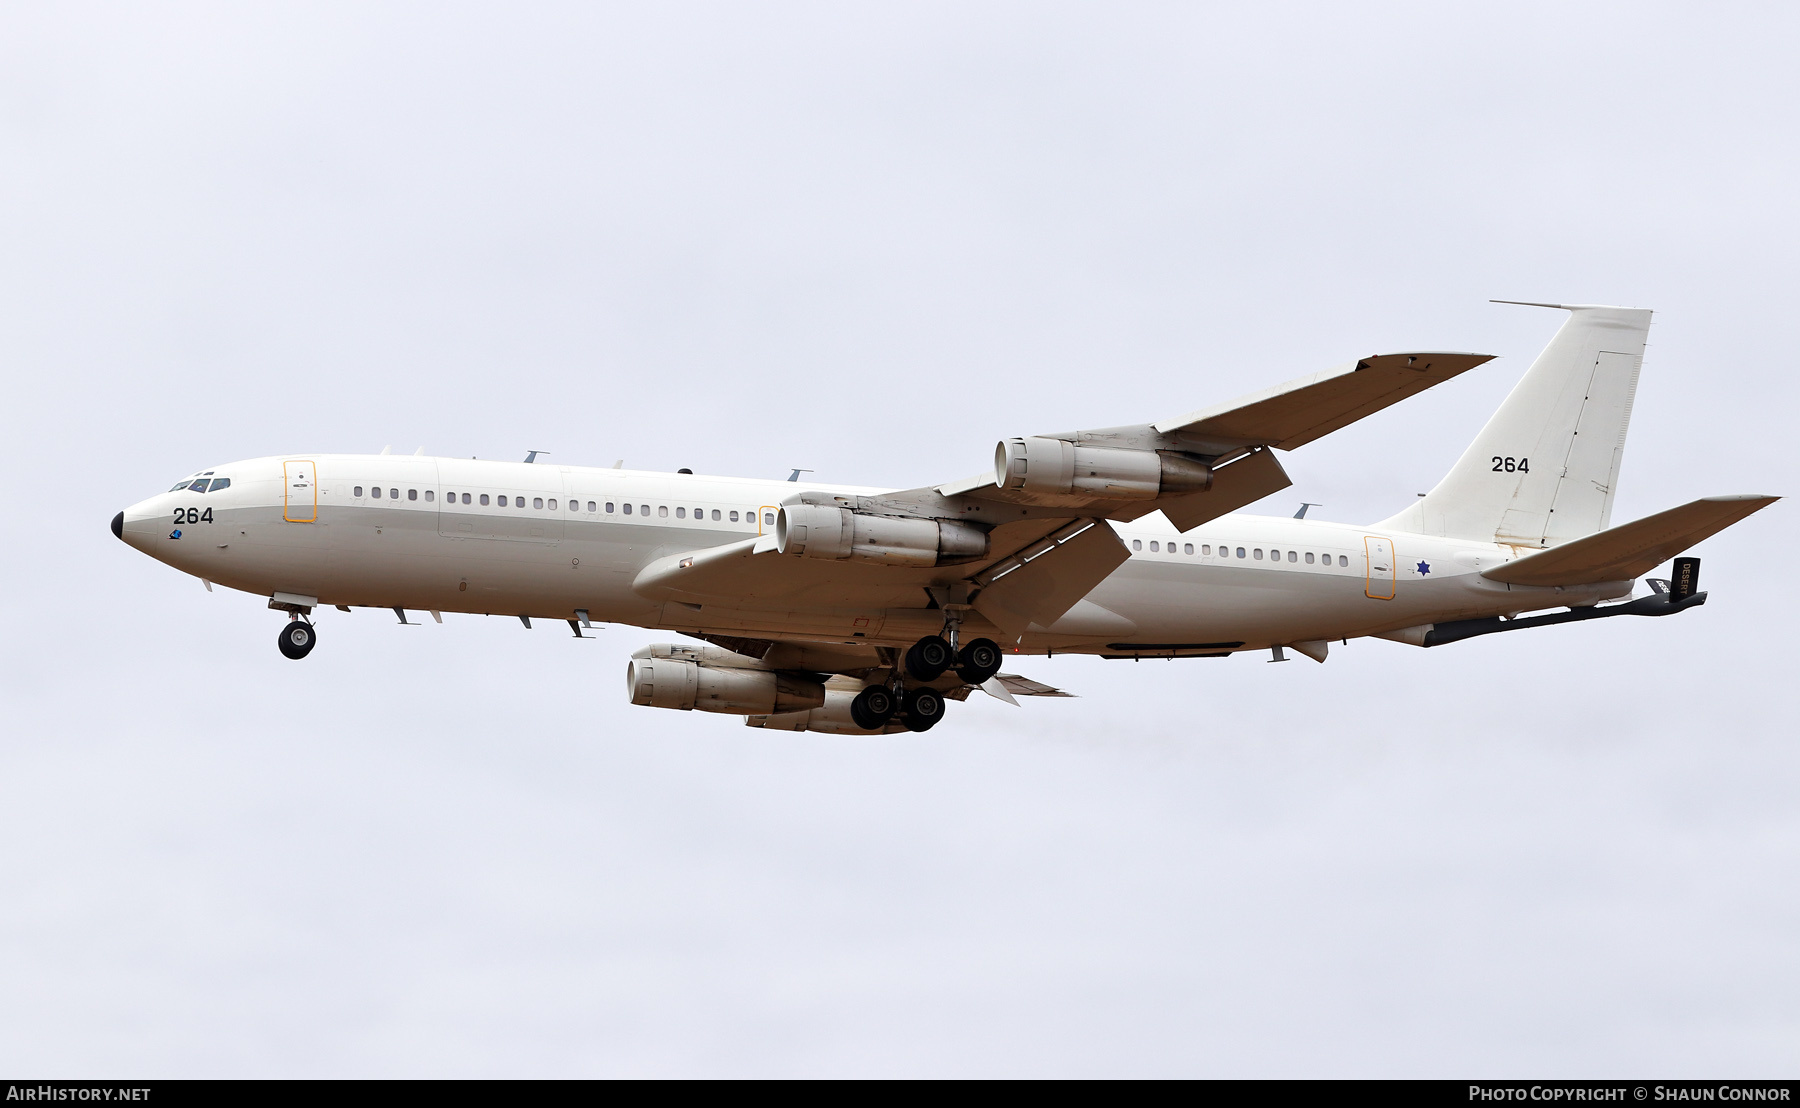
x=795 y=476
x=1305 y=504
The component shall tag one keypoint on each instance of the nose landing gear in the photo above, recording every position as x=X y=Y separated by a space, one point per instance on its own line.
x=297 y=639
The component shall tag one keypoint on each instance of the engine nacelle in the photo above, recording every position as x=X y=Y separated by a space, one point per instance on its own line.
x=817 y=531
x=1056 y=466
x=833 y=718
x=689 y=686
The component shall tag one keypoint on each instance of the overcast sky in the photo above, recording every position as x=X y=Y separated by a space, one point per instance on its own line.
x=869 y=241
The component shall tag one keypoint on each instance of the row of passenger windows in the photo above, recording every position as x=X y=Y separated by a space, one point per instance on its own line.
x=541 y=504
x=202 y=485
x=1254 y=552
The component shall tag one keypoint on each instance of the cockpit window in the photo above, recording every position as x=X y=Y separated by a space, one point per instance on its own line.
x=220 y=483
x=181 y=484
x=198 y=486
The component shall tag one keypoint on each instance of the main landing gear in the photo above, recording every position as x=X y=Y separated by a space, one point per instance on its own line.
x=297 y=639
x=927 y=659
x=922 y=706
x=876 y=706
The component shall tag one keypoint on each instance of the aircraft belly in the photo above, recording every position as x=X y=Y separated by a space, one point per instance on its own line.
x=1173 y=603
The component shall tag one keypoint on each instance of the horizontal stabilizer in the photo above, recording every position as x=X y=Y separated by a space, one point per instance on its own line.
x=1631 y=550
x=1299 y=411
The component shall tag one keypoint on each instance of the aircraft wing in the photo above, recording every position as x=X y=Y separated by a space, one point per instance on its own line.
x=1022 y=543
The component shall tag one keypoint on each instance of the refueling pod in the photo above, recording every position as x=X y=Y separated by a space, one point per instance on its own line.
x=818 y=531
x=1055 y=466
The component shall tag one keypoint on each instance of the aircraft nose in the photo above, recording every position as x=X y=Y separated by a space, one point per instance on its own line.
x=119 y=526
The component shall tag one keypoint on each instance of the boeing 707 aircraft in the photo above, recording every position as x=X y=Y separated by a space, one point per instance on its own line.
x=856 y=610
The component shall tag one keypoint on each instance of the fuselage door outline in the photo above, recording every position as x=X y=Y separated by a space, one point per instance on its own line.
x=300 y=492
x=1378 y=563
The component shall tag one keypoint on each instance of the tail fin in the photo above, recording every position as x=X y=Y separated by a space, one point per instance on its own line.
x=1543 y=470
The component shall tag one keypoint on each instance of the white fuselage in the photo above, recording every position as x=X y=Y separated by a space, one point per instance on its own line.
x=438 y=539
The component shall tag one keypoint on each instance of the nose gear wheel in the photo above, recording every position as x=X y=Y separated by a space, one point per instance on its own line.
x=297 y=639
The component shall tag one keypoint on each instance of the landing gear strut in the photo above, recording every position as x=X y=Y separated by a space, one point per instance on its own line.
x=297 y=639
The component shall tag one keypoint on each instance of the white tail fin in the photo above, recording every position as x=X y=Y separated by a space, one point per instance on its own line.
x=1543 y=470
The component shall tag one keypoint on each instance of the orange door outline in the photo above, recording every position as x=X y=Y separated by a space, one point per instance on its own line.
x=302 y=478
x=1379 y=580
x=762 y=513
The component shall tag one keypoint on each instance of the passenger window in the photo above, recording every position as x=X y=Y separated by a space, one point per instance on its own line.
x=734 y=518
x=769 y=519
x=357 y=491
x=681 y=513
x=627 y=509
x=518 y=502
x=1137 y=544
x=466 y=498
x=1187 y=548
x=1240 y=552
x=715 y=515
x=662 y=510
x=220 y=483
x=643 y=509
x=393 y=494
x=1343 y=561
x=536 y=502
x=412 y=494
x=503 y=500
x=430 y=496
x=553 y=505
x=1293 y=557
x=1258 y=553
x=591 y=506
x=1207 y=550
x=1153 y=547
x=484 y=499
x=375 y=492
x=1309 y=558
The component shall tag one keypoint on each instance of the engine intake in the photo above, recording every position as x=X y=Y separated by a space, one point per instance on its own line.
x=690 y=686
x=817 y=531
x=1056 y=466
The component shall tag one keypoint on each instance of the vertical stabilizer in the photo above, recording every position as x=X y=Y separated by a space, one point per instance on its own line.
x=1544 y=468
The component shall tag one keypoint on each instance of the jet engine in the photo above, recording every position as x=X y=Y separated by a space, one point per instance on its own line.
x=688 y=686
x=831 y=718
x=1055 y=466
x=817 y=531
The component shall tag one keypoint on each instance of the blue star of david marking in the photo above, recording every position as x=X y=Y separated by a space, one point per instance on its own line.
x=1424 y=569
x=174 y=534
